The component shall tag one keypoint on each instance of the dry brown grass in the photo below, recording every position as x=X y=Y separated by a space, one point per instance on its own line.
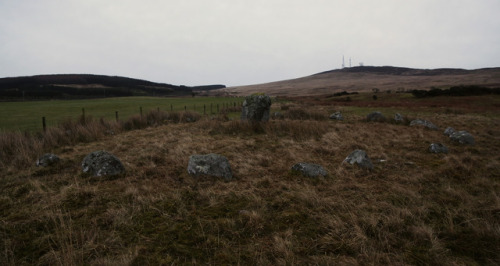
x=413 y=208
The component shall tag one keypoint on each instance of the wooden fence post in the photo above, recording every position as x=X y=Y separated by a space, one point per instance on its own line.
x=204 y=109
x=116 y=116
x=44 y=125
x=140 y=108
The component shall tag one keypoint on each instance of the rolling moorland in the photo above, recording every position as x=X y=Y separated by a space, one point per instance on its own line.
x=367 y=78
x=414 y=207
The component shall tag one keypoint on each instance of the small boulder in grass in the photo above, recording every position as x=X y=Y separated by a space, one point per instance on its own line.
x=462 y=137
x=310 y=170
x=449 y=131
x=438 y=148
x=425 y=123
x=375 y=117
x=47 y=159
x=210 y=165
x=398 y=118
x=102 y=163
x=360 y=158
x=337 y=116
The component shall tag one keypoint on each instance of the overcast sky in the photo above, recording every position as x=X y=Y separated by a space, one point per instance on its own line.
x=239 y=42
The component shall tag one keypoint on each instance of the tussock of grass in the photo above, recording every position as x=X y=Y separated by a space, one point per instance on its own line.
x=413 y=208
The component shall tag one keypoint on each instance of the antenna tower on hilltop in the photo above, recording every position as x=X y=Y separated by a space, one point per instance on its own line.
x=343 y=65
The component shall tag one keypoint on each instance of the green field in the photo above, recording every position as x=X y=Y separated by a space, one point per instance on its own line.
x=27 y=116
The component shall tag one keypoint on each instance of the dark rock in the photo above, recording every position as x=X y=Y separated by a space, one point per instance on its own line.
x=337 y=116
x=375 y=117
x=462 y=137
x=449 y=131
x=256 y=108
x=102 y=163
x=47 y=159
x=360 y=158
x=211 y=165
x=310 y=170
x=425 y=123
x=438 y=148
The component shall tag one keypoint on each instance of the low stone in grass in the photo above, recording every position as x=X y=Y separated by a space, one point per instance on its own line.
x=438 y=148
x=102 y=163
x=360 y=158
x=462 y=137
x=398 y=118
x=47 y=159
x=310 y=170
x=375 y=117
x=337 y=116
x=211 y=165
x=425 y=123
x=449 y=131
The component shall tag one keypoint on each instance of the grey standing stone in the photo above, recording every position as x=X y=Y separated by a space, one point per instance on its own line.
x=256 y=108
x=102 y=163
x=47 y=159
x=462 y=137
x=310 y=170
x=337 y=116
x=449 y=131
x=438 y=148
x=360 y=158
x=425 y=123
x=211 y=165
x=375 y=117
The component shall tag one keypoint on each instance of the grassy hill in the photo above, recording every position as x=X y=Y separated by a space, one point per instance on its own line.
x=71 y=86
x=367 y=78
x=413 y=208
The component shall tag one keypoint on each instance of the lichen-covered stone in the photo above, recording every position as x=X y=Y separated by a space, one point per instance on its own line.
x=211 y=165
x=102 y=163
x=449 y=131
x=425 y=123
x=360 y=158
x=462 y=137
x=47 y=159
x=438 y=148
x=375 y=117
x=256 y=108
x=398 y=118
x=310 y=170
x=337 y=116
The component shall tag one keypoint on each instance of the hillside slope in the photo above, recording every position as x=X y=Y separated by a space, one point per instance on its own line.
x=63 y=86
x=367 y=78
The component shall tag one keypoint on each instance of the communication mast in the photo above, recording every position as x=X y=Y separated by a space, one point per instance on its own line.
x=343 y=65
